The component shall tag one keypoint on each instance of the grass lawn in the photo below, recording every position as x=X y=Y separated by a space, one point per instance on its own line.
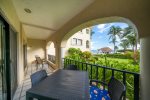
x=117 y=59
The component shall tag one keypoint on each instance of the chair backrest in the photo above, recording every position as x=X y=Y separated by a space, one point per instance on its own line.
x=39 y=60
x=116 y=89
x=72 y=67
x=37 y=77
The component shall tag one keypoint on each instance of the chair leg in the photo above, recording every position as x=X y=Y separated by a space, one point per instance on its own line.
x=42 y=66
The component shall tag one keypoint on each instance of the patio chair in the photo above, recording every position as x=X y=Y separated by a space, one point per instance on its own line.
x=37 y=77
x=39 y=61
x=115 y=90
x=71 y=67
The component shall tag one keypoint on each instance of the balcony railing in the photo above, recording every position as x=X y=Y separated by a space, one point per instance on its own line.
x=52 y=58
x=101 y=75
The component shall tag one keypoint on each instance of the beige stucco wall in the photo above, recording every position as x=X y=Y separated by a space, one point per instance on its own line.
x=79 y=35
x=8 y=12
x=35 y=47
x=24 y=37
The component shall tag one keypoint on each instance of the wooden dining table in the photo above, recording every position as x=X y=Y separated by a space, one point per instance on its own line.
x=62 y=85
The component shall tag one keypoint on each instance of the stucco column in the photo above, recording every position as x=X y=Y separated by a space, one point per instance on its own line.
x=58 y=55
x=145 y=68
x=46 y=52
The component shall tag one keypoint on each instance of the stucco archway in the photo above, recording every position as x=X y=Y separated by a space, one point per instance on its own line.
x=96 y=22
x=50 y=50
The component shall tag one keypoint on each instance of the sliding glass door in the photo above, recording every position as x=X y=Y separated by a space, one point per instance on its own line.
x=3 y=85
x=13 y=61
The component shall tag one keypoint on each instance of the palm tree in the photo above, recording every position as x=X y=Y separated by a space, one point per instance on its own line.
x=130 y=35
x=124 y=44
x=113 y=33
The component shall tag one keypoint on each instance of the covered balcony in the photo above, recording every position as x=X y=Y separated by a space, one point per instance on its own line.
x=27 y=28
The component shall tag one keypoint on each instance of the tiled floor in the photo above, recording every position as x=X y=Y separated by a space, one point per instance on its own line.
x=20 y=93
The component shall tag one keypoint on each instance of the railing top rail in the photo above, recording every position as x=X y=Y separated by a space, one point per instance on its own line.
x=123 y=71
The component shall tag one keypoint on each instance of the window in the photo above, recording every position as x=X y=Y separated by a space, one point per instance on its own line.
x=87 y=44
x=74 y=41
x=79 y=41
x=87 y=31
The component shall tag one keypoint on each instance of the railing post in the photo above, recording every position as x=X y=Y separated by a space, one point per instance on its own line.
x=82 y=66
x=136 y=87
x=104 y=76
x=86 y=67
x=96 y=72
x=112 y=73
x=91 y=72
x=124 y=82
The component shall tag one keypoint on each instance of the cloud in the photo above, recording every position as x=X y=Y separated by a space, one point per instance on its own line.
x=104 y=27
x=117 y=39
x=111 y=47
x=100 y=26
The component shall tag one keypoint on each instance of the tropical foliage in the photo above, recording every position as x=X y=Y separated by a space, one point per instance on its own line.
x=113 y=33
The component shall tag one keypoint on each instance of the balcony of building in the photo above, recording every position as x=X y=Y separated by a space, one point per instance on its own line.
x=28 y=27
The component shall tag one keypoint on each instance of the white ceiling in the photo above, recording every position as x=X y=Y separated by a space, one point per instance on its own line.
x=47 y=16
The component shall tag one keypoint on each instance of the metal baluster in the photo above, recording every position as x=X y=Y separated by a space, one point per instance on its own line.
x=136 y=87
x=91 y=72
x=96 y=72
x=124 y=82
x=112 y=73
x=104 y=77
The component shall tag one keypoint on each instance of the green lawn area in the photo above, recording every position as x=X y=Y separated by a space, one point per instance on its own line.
x=117 y=59
x=119 y=63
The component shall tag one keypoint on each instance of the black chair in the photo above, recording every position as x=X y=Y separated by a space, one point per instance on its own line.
x=116 y=89
x=72 y=67
x=37 y=77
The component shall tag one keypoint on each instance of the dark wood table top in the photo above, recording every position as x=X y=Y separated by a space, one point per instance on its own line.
x=62 y=85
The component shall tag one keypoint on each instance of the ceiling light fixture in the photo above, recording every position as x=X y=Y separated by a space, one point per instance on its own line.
x=27 y=10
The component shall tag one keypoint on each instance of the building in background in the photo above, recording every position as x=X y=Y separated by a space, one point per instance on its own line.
x=81 y=40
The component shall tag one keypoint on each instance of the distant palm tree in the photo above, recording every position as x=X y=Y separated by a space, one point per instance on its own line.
x=124 y=44
x=113 y=33
x=131 y=36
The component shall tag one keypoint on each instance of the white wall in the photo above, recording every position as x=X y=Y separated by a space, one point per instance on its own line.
x=79 y=35
x=51 y=49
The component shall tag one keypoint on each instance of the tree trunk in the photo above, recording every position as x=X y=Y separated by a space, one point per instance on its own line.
x=114 y=48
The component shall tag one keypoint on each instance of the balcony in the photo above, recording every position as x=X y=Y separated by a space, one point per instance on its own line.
x=97 y=73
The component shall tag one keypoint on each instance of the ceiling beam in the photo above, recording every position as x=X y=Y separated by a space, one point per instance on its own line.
x=42 y=27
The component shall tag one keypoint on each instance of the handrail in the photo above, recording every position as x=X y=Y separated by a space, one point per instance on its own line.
x=51 y=58
x=85 y=65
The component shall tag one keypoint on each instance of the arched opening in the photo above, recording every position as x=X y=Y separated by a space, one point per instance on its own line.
x=129 y=81
x=51 y=52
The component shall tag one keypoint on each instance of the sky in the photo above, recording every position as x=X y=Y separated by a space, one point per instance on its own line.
x=100 y=38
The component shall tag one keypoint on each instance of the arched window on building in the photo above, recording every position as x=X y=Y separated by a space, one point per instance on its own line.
x=87 y=44
x=87 y=31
